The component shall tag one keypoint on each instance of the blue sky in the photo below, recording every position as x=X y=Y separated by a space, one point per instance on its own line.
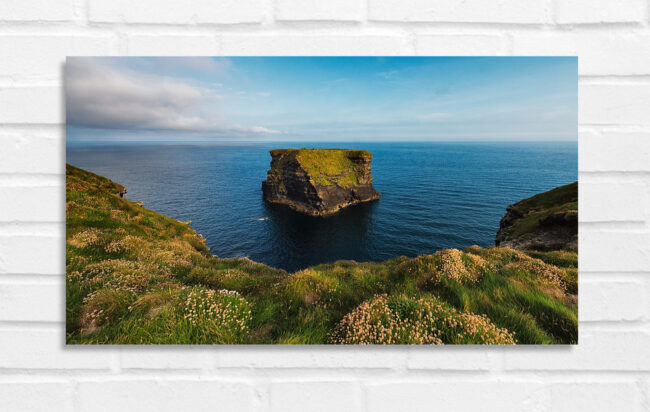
x=322 y=98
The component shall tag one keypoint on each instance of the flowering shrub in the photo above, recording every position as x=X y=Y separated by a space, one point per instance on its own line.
x=86 y=238
x=548 y=273
x=450 y=264
x=505 y=261
x=123 y=275
x=475 y=262
x=223 y=314
x=427 y=320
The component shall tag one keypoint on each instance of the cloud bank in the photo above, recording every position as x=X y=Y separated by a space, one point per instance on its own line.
x=103 y=95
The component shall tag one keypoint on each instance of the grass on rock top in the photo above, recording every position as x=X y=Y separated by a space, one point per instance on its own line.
x=135 y=276
x=328 y=166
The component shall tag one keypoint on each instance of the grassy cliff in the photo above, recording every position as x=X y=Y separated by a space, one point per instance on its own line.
x=547 y=220
x=135 y=276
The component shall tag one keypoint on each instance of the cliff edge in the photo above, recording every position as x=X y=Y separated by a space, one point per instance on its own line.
x=134 y=276
x=319 y=182
x=547 y=221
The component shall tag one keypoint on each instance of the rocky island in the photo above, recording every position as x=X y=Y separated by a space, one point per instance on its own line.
x=546 y=221
x=319 y=182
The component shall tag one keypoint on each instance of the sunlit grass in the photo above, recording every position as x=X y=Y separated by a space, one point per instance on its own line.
x=327 y=166
x=135 y=276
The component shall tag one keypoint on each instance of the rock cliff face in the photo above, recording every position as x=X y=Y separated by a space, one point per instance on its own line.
x=319 y=182
x=547 y=221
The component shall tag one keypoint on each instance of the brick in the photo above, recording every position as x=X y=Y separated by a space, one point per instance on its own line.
x=36 y=396
x=600 y=53
x=614 y=151
x=471 y=11
x=613 y=251
x=620 y=104
x=598 y=350
x=45 y=105
x=340 y=10
x=199 y=394
x=28 y=151
x=611 y=300
x=41 y=58
x=26 y=204
x=32 y=302
x=595 y=396
x=165 y=357
x=22 y=348
x=32 y=255
x=599 y=11
x=315 y=396
x=460 y=45
x=37 y=10
x=176 y=45
x=343 y=45
x=615 y=201
x=452 y=395
x=173 y=12
x=449 y=358
x=310 y=357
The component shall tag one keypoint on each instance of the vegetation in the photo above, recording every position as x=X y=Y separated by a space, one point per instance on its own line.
x=560 y=202
x=328 y=166
x=135 y=276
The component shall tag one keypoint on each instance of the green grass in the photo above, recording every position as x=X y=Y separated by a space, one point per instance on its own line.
x=135 y=276
x=561 y=200
x=327 y=166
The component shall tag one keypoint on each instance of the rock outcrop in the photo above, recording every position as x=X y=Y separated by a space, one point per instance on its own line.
x=547 y=221
x=319 y=182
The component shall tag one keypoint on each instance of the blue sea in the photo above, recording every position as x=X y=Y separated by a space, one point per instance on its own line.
x=434 y=195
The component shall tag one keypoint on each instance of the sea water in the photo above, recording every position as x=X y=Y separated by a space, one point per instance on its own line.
x=433 y=195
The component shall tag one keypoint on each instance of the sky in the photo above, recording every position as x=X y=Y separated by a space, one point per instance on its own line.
x=321 y=98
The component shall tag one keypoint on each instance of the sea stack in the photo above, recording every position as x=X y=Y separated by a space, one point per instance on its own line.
x=319 y=182
x=547 y=221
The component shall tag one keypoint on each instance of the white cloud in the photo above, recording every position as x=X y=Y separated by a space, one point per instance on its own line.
x=260 y=129
x=104 y=96
x=264 y=94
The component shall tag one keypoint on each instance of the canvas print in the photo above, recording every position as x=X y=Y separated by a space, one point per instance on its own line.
x=321 y=200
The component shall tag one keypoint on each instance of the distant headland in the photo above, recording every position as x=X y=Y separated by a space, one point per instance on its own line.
x=319 y=182
x=546 y=221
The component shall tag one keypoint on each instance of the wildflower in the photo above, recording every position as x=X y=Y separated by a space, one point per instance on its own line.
x=85 y=238
x=384 y=320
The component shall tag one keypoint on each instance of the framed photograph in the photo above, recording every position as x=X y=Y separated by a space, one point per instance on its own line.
x=321 y=200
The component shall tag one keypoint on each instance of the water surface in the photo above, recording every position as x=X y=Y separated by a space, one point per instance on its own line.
x=434 y=195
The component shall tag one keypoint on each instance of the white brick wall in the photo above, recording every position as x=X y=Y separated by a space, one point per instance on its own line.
x=610 y=368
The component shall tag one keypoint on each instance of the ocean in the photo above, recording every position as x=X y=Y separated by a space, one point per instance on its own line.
x=434 y=195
